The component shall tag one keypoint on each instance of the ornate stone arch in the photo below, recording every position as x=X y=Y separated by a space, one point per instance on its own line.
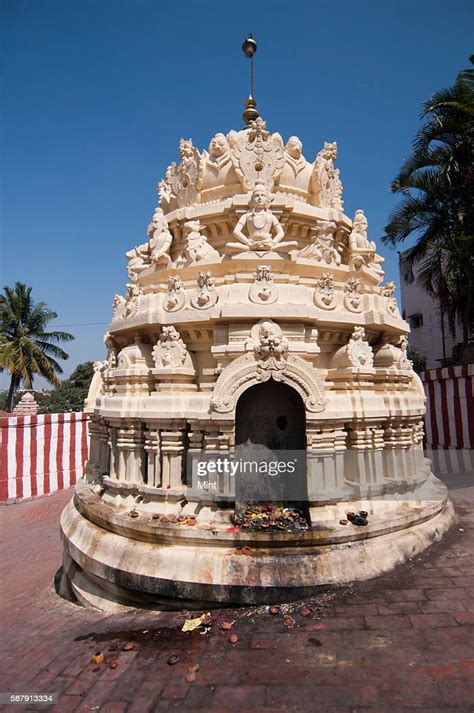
x=248 y=370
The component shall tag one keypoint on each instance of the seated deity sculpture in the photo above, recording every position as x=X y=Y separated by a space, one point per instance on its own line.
x=258 y=229
x=298 y=177
x=361 y=250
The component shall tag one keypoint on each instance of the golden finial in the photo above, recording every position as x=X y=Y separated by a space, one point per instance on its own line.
x=249 y=47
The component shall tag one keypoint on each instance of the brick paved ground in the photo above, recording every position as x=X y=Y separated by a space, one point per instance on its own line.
x=402 y=642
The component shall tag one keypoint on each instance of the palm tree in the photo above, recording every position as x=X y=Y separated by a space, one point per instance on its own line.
x=25 y=347
x=437 y=209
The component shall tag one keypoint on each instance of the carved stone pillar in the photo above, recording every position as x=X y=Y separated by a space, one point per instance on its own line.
x=326 y=448
x=172 y=451
x=131 y=452
x=152 y=449
x=95 y=436
x=364 y=459
x=114 y=453
x=104 y=449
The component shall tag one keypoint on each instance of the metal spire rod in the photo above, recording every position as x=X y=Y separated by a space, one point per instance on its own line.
x=249 y=47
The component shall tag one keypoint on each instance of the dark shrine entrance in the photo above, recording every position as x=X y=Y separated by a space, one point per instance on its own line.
x=270 y=440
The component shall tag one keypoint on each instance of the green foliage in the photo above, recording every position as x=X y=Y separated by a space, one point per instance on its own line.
x=418 y=359
x=26 y=348
x=70 y=394
x=437 y=208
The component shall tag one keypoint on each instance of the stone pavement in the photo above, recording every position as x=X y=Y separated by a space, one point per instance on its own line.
x=404 y=641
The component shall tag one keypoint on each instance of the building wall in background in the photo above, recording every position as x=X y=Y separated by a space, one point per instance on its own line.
x=422 y=313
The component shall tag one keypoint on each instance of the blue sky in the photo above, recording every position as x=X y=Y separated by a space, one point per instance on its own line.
x=96 y=95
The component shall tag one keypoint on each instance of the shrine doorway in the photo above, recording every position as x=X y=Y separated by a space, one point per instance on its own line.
x=270 y=428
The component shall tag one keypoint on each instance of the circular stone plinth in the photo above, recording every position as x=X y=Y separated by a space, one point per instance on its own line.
x=112 y=560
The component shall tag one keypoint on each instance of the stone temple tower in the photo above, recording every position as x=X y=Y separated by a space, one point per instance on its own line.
x=255 y=317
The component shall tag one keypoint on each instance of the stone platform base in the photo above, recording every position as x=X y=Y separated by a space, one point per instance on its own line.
x=113 y=561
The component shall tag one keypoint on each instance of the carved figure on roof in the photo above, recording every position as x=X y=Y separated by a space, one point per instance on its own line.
x=197 y=248
x=258 y=229
x=322 y=245
x=155 y=251
x=329 y=177
x=257 y=154
x=298 y=177
x=178 y=189
x=361 y=250
x=217 y=176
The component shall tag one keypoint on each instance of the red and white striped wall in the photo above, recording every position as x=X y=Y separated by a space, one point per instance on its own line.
x=41 y=454
x=449 y=421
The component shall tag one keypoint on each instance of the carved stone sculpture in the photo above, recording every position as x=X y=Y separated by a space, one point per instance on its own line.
x=357 y=353
x=271 y=347
x=132 y=299
x=170 y=350
x=155 y=251
x=361 y=251
x=352 y=295
x=205 y=296
x=329 y=177
x=322 y=247
x=263 y=291
x=118 y=305
x=388 y=291
x=197 y=248
x=176 y=298
x=298 y=177
x=217 y=175
x=111 y=346
x=259 y=230
x=160 y=239
x=393 y=356
x=179 y=189
x=324 y=294
x=258 y=156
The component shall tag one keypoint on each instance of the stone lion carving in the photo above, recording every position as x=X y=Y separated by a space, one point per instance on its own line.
x=324 y=294
x=197 y=248
x=329 y=177
x=258 y=229
x=263 y=291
